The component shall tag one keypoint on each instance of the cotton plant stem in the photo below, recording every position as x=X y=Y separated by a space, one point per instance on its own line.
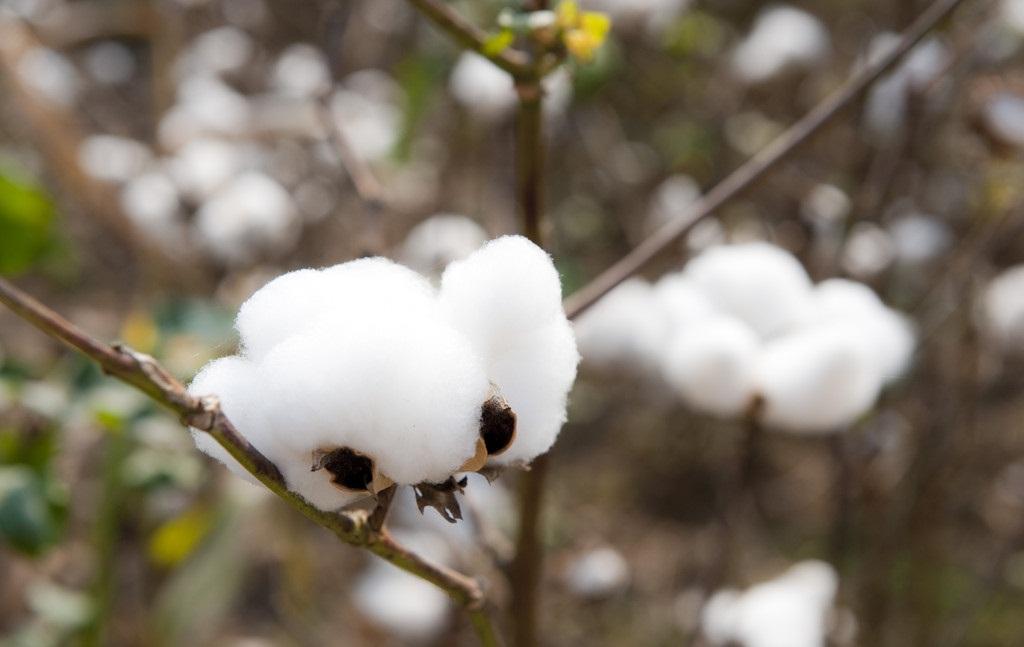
x=757 y=166
x=204 y=413
x=471 y=37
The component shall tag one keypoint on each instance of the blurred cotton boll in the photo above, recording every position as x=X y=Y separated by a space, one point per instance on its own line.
x=791 y=610
x=413 y=610
x=217 y=51
x=628 y=327
x=1003 y=117
x=597 y=573
x=711 y=363
x=439 y=240
x=919 y=238
x=205 y=106
x=50 y=75
x=366 y=111
x=110 y=63
x=301 y=71
x=671 y=199
x=782 y=37
x=488 y=92
x=250 y=215
x=762 y=285
x=1003 y=309
x=204 y=165
x=886 y=107
x=869 y=251
x=152 y=202
x=113 y=159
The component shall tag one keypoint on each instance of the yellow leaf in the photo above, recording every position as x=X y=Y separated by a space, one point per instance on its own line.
x=497 y=43
x=140 y=332
x=177 y=538
x=568 y=14
x=597 y=25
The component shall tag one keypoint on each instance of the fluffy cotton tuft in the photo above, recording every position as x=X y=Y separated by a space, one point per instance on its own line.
x=598 y=573
x=440 y=240
x=365 y=356
x=506 y=298
x=782 y=37
x=489 y=93
x=1003 y=309
x=627 y=327
x=788 y=611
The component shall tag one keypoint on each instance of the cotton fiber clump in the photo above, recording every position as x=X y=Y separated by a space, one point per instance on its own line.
x=782 y=38
x=440 y=240
x=362 y=374
x=791 y=610
x=1003 y=309
x=743 y=331
x=489 y=93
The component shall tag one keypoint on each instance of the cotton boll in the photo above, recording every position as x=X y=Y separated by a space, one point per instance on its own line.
x=414 y=610
x=151 y=201
x=671 y=199
x=534 y=373
x=366 y=112
x=50 y=75
x=204 y=165
x=711 y=365
x=279 y=309
x=301 y=71
x=817 y=380
x=681 y=301
x=407 y=396
x=1003 y=308
x=598 y=573
x=886 y=106
x=506 y=288
x=205 y=106
x=482 y=88
x=440 y=240
x=761 y=284
x=217 y=51
x=110 y=63
x=782 y=37
x=627 y=327
x=1003 y=116
x=889 y=334
x=111 y=158
x=251 y=214
x=789 y=611
x=869 y=250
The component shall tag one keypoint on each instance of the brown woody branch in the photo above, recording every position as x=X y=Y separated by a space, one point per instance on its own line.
x=357 y=528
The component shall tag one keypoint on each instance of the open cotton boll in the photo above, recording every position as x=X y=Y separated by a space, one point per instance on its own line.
x=112 y=158
x=789 y=611
x=251 y=214
x=205 y=106
x=151 y=201
x=204 y=165
x=407 y=396
x=782 y=37
x=1003 y=308
x=414 y=610
x=889 y=334
x=440 y=240
x=627 y=327
x=598 y=573
x=711 y=365
x=817 y=380
x=50 y=75
x=506 y=288
x=301 y=71
x=371 y=123
x=681 y=301
x=759 y=283
x=217 y=51
x=671 y=199
x=482 y=88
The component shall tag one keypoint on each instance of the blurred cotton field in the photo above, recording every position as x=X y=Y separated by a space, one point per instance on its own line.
x=798 y=425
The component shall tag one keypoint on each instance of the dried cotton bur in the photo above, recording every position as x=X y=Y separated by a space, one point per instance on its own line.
x=363 y=375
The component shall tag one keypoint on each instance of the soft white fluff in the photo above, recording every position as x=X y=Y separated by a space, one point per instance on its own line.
x=598 y=573
x=205 y=106
x=51 y=75
x=506 y=298
x=439 y=240
x=204 y=165
x=711 y=365
x=366 y=110
x=1003 y=308
x=817 y=379
x=152 y=202
x=412 y=609
x=489 y=94
x=628 y=327
x=301 y=71
x=789 y=611
x=782 y=37
x=112 y=158
x=760 y=284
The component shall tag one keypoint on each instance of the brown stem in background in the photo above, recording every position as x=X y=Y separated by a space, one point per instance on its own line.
x=204 y=413
x=757 y=166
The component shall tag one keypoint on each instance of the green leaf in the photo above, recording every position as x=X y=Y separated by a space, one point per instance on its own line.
x=27 y=522
x=26 y=224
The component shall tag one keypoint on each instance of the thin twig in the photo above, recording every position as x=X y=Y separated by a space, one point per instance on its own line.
x=204 y=413
x=363 y=179
x=757 y=166
x=472 y=37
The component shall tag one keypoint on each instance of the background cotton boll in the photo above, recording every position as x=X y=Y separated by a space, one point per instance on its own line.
x=761 y=284
x=110 y=63
x=817 y=380
x=711 y=365
x=1003 y=117
x=534 y=373
x=1003 y=308
x=50 y=74
x=671 y=199
x=506 y=288
x=408 y=396
x=782 y=37
x=301 y=71
x=411 y=608
x=919 y=238
x=205 y=106
x=598 y=573
x=204 y=165
x=151 y=201
x=249 y=215
x=888 y=333
x=482 y=88
x=628 y=327
x=439 y=240
x=113 y=159
x=370 y=125
x=217 y=51
x=680 y=300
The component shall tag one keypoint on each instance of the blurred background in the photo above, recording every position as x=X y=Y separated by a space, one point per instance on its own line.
x=162 y=159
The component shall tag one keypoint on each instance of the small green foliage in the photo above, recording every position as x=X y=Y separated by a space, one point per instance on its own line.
x=28 y=520
x=26 y=224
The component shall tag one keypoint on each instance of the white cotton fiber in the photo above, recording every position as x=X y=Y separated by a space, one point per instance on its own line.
x=682 y=302
x=482 y=87
x=761 y=284
x=819 y=379
x=711 y=365
x=782 y=37
x=1003 y=308
x=598 y=573
x=789 y=611
x=439 y=240
x=628 y=327
x=506 y=298
x=412 y=609
x=278 y=310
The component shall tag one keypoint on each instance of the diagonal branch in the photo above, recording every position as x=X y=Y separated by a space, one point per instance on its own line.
x=144 y=373
x=472 y=37
x=757 y=166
